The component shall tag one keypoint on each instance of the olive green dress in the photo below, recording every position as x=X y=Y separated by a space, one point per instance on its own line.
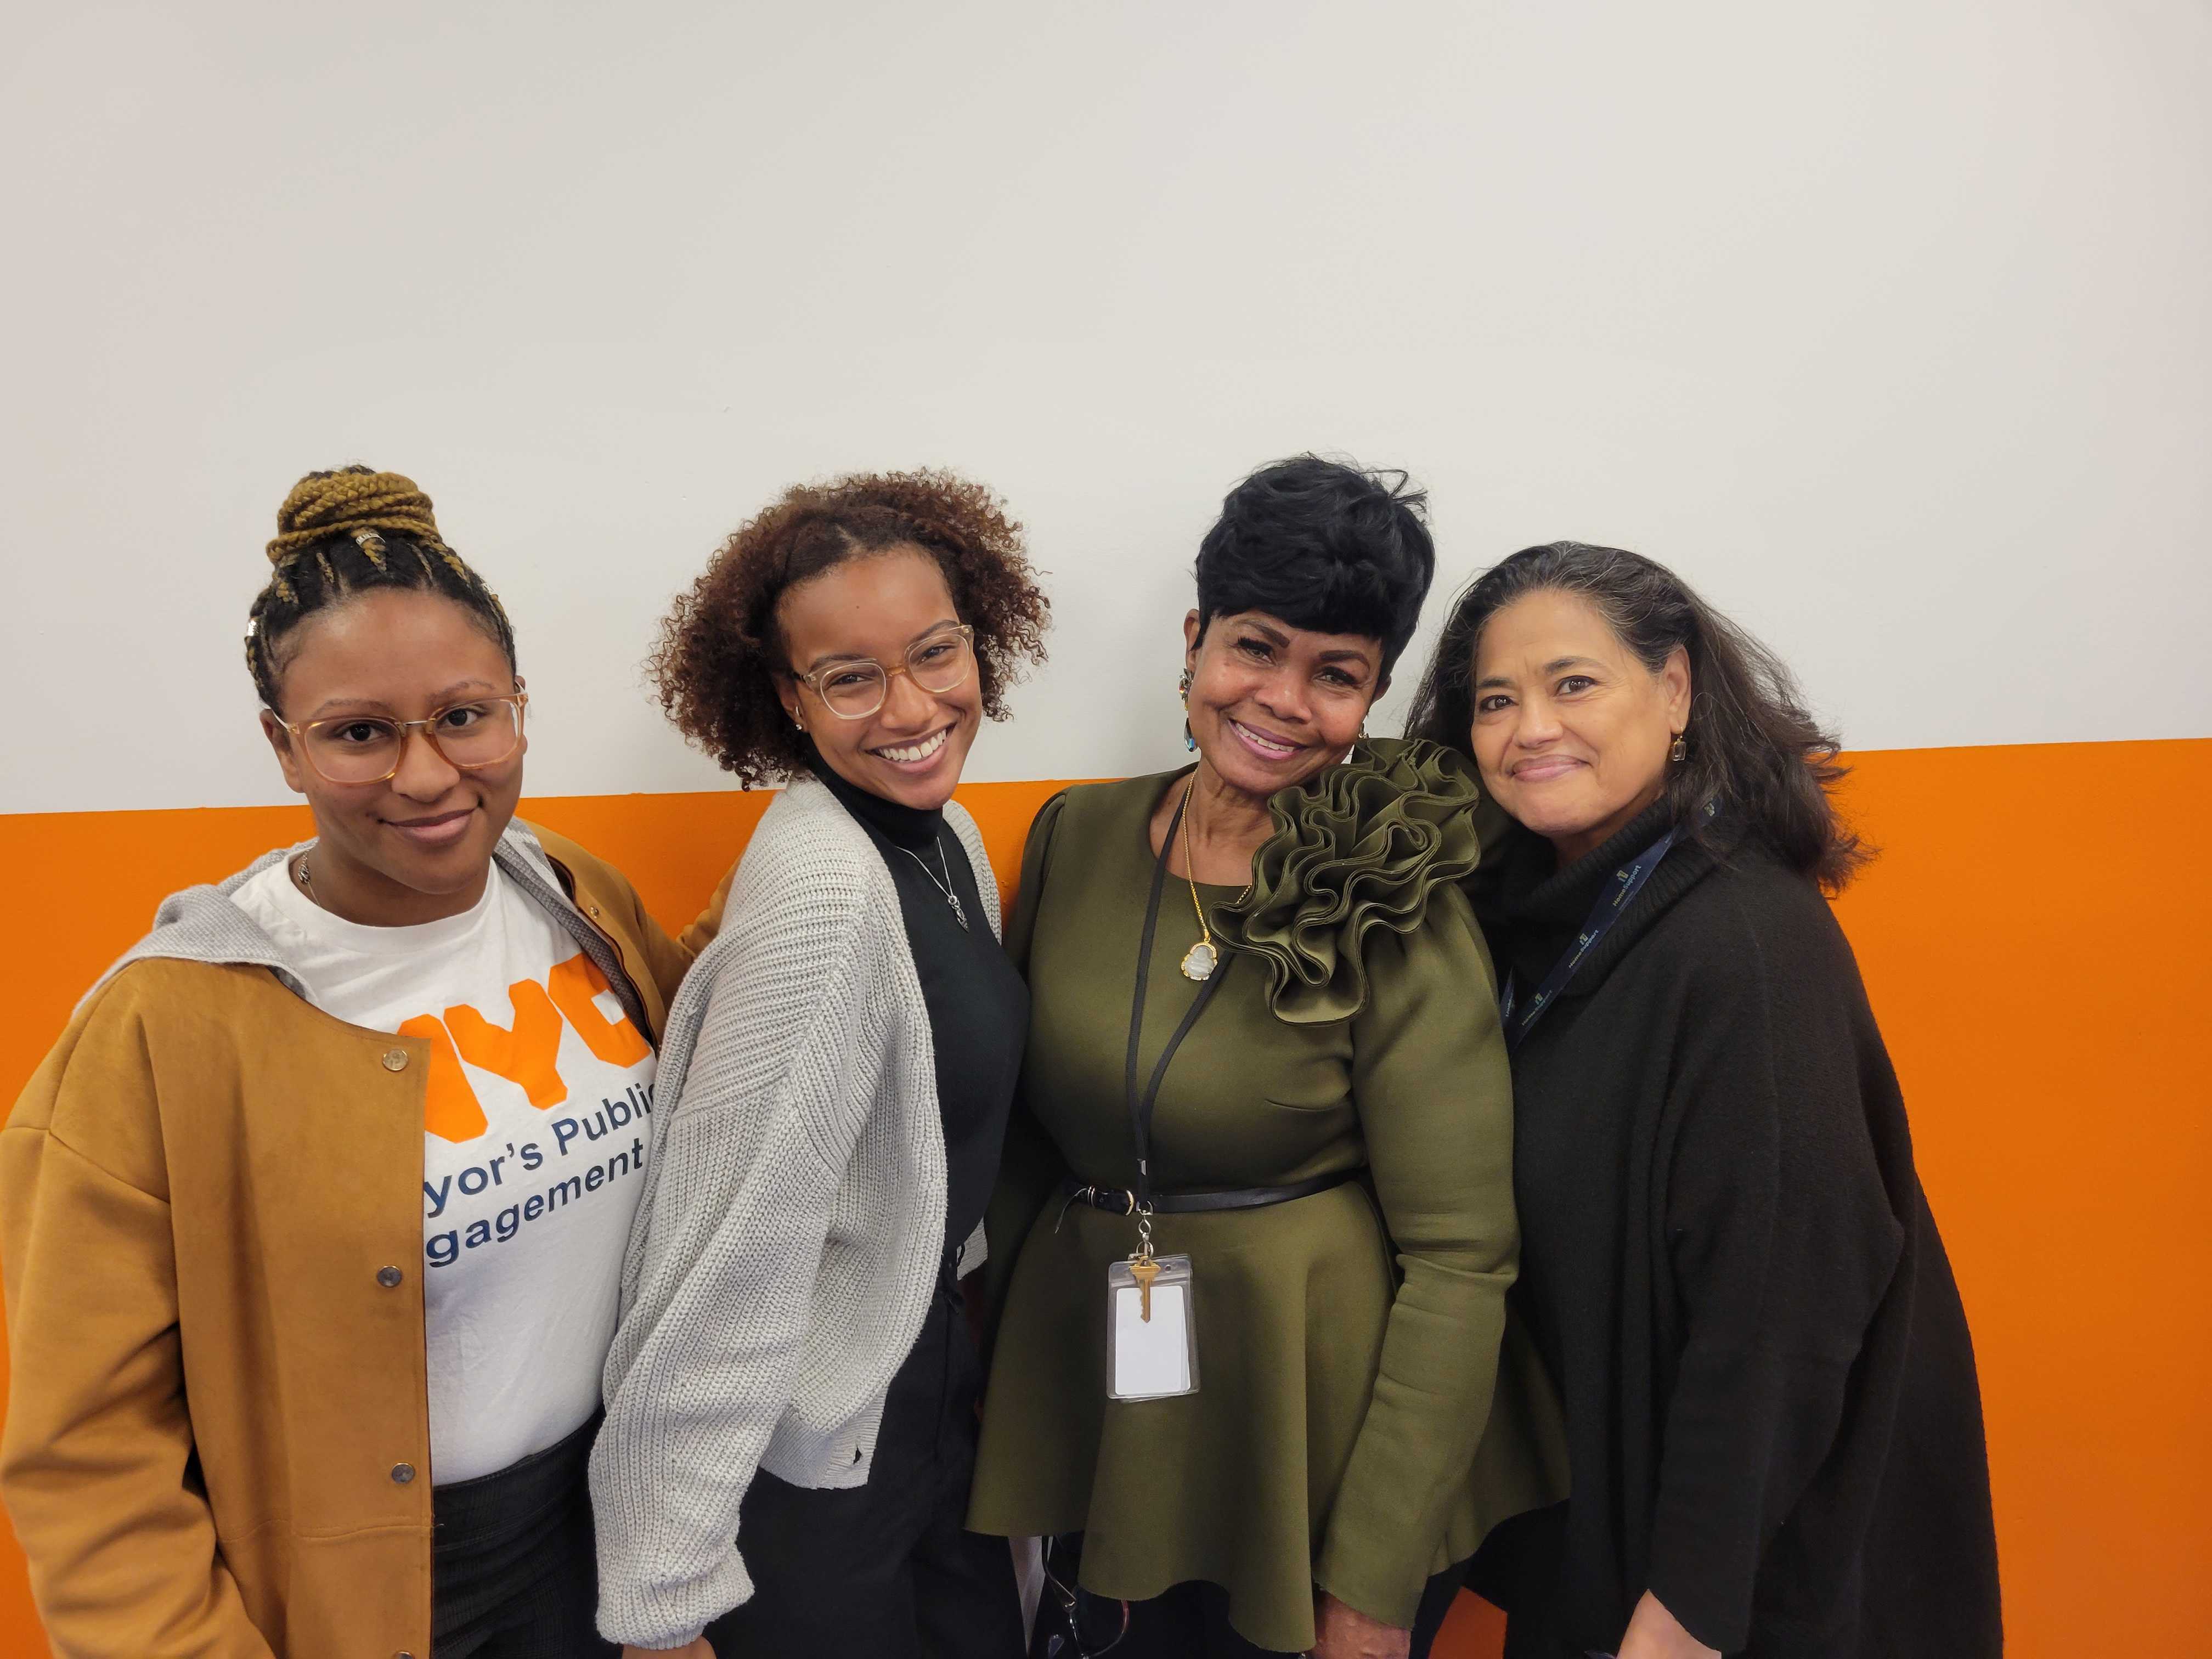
x=1348 y=1342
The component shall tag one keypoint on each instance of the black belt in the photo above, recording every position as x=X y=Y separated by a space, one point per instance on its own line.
x=1117 y=1200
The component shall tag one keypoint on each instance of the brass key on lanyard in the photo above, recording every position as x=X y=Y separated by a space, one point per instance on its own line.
x=1143 y=1268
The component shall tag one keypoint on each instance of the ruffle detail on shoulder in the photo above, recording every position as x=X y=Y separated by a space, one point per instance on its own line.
x=1363 y=846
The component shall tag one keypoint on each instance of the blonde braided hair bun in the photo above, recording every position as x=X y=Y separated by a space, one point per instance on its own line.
x=349 y=501
x=342 y=517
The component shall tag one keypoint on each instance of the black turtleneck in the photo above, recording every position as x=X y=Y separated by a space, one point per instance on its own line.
x=979 y=1008
x=1772 y=1418
x=1542 y=906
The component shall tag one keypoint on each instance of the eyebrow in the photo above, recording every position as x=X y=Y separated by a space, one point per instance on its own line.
x=829 y=657
x=1342 y=654
x=1496 y=682
x=376 y=706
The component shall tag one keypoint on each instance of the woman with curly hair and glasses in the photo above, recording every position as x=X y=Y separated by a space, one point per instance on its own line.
x=791 y=1397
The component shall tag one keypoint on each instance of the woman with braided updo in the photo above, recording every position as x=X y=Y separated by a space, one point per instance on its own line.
x=313 y=1220
x=791 y=1398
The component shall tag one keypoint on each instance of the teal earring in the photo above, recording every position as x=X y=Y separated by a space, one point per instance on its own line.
x=1182 y=686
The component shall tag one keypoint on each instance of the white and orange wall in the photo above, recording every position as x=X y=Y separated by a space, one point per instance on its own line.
x=1888 y=325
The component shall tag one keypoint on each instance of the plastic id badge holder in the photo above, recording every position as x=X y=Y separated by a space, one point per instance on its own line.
x=1153 y=1358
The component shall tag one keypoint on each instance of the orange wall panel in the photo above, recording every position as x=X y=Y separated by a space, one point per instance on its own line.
x=2035 y=969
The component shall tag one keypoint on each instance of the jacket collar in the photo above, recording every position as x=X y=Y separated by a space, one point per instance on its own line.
x=201 y=924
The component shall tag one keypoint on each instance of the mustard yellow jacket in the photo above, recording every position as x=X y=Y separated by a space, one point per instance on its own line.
x=217 y=1442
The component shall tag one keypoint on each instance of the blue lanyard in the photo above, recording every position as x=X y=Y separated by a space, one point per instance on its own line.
x=1611 y=904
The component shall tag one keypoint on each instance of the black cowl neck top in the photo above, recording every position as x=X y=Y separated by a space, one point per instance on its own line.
x=979 y=1008
x=1728 y=1264
x=1540 y=905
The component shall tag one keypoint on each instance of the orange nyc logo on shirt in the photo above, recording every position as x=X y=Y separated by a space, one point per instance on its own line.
x=528 y=1054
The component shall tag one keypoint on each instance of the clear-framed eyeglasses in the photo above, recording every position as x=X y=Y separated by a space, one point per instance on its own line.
x=854 y=688
x=367 y=748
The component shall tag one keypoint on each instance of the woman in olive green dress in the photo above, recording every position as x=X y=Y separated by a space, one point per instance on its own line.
x=1330 y=1138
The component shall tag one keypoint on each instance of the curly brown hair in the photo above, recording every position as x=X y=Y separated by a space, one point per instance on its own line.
x=720 y=651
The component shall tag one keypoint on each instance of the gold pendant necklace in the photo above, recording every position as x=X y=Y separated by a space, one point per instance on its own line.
x=1202 y=959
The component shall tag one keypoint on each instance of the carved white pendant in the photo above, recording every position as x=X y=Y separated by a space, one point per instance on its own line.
x=1199 y=961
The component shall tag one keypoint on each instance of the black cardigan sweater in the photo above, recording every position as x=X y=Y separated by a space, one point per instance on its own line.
x=1727 y=1261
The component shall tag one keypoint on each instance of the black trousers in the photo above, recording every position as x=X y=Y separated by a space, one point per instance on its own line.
x=1189 y=1621
x=513 y=1574
x=1518 y=1569
x=885 y=1570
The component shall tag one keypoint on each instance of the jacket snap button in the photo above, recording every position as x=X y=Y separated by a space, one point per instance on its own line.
x=395 y=1059
x=402 y=1473
x=389 y=1278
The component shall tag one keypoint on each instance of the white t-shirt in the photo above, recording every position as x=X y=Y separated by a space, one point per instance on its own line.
x=535 y=1134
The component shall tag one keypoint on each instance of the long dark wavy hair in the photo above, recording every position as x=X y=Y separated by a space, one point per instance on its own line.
x=1751 y=745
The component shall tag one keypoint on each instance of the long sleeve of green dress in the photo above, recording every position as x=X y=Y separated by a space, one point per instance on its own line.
x=1436 y=1107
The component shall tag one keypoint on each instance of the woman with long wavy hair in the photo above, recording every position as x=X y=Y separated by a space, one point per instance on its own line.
x=1772 y=1421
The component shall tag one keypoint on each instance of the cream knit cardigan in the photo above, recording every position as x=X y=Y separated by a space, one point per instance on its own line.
x=791 y=1231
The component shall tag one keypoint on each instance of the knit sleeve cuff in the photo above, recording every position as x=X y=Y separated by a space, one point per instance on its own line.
x=669 y=1615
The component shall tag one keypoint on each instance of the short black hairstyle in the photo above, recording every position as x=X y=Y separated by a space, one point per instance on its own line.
x=1323 y=545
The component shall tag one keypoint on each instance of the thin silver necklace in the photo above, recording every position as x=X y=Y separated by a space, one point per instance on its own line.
x=307 y=884
x=944 y=884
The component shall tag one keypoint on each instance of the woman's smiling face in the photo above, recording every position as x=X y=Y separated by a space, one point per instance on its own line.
x=1572 y=730
x=877 y=607
x=416 y=845
x=1270 y=705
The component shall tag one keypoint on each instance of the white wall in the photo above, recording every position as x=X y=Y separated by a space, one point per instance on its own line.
x=1888 y=324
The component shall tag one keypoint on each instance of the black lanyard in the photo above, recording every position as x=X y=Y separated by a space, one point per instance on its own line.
x=1140 y=1106
x=1611 y=904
